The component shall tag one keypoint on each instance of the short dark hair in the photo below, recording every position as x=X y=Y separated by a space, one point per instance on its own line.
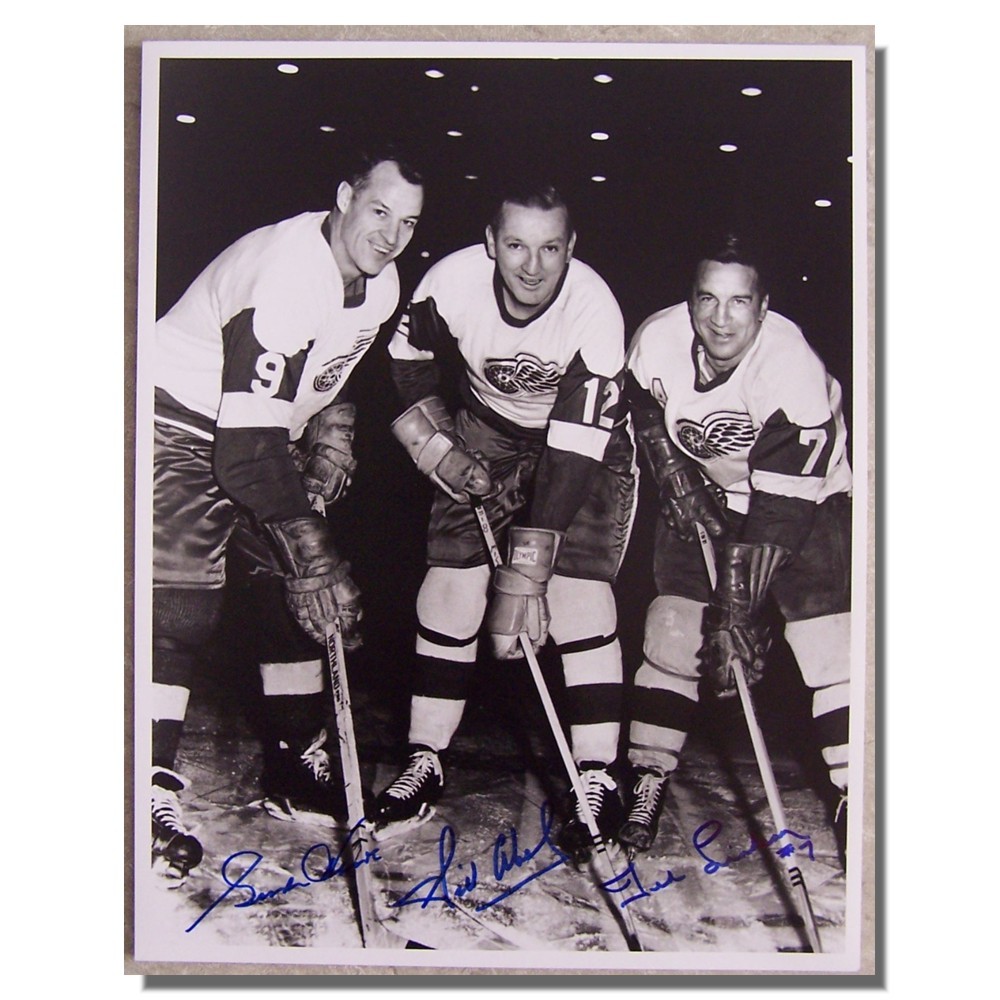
x=733 y=248
x=528 y=195
x=365 y=160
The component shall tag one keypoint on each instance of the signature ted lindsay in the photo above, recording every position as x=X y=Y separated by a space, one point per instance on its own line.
x=512 y=865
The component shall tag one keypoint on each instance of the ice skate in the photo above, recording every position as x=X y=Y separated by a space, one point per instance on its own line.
x=299 y=784
x=639 y=830
x=175 y=850
x=602 y=795
x=409 y=801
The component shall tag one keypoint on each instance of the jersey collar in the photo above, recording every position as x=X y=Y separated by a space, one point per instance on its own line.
x=510 y=320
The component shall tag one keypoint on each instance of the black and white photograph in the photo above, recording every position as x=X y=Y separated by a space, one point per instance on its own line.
x=502 y=506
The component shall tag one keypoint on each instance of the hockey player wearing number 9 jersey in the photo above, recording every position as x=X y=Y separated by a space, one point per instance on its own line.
x=542 y=439
x=732 y=405
x=250 y=426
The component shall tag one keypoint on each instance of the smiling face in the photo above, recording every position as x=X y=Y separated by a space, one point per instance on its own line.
x=374 y=221
x=531 y=247
x=726 y=312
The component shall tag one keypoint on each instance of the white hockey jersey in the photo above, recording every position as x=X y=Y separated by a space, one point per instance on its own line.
x=262 y=337
x=559 y=371
x=773 y=424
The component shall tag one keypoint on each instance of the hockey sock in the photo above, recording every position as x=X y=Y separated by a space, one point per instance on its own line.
x=439 y=695
x=294 y=704
x=183 y=621
x=593 y=671
x=832 y=730
x=450 y=609
x=166 y=740
x=172 y=669
x=822 y=651
x=663 y=701
x=584 y=628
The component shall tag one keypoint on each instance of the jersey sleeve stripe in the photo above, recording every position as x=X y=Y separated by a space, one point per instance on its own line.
x=787 y=486
x=588 y=441
x=251 y=409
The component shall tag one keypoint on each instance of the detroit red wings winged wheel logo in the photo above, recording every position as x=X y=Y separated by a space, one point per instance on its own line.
x=524 y=374
x=719 y=435
x=334 y=370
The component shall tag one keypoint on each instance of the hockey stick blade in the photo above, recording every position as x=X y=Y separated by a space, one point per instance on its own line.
x=624 y=916
x=804 y=904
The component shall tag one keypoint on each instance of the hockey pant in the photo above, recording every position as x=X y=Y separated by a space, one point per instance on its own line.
x=450 y=609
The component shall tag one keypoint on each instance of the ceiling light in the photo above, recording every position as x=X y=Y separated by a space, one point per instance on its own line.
x=599 y=178
x=425 y=254
x=728 y=147
x=434 y=74
x=805 y=277
x=472 y=177
x=751 y=91
x=599 y=136
x=454 y=133
x=288 y=68
x=474 y=88
x=822 y=203
x=327 y=128
x=186 y=119
x=603 y=78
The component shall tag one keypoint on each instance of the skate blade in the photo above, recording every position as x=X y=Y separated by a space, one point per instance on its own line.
x=289 y=812
x=392 y=830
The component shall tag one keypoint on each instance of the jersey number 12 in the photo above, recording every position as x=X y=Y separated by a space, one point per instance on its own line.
x=608 y=398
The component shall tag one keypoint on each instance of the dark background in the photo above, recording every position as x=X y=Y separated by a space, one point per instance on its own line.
x=257 y=154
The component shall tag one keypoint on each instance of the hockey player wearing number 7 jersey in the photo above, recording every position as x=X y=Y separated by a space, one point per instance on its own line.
x=742 y=428
x=542 y=439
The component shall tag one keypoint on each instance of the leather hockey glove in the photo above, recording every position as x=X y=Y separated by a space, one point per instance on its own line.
x=734 y=632
x=519 y=603
x=427 y=432
x=318 y=586
x=685 y=494
x=330 y=462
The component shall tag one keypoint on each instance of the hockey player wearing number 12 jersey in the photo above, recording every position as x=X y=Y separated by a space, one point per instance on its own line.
x=742 y=427
x=542 y=439
x=250 y=425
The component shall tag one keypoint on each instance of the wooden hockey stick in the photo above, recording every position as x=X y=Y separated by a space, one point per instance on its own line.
x=362 y=846
x=764 y=763
x=628 y=924
x=374 y=934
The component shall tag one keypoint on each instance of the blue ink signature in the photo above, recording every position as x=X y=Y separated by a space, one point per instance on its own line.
x=709 y=831
x=507 y=856
x=453 y=881
x=630 y=879
x=318 y=864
